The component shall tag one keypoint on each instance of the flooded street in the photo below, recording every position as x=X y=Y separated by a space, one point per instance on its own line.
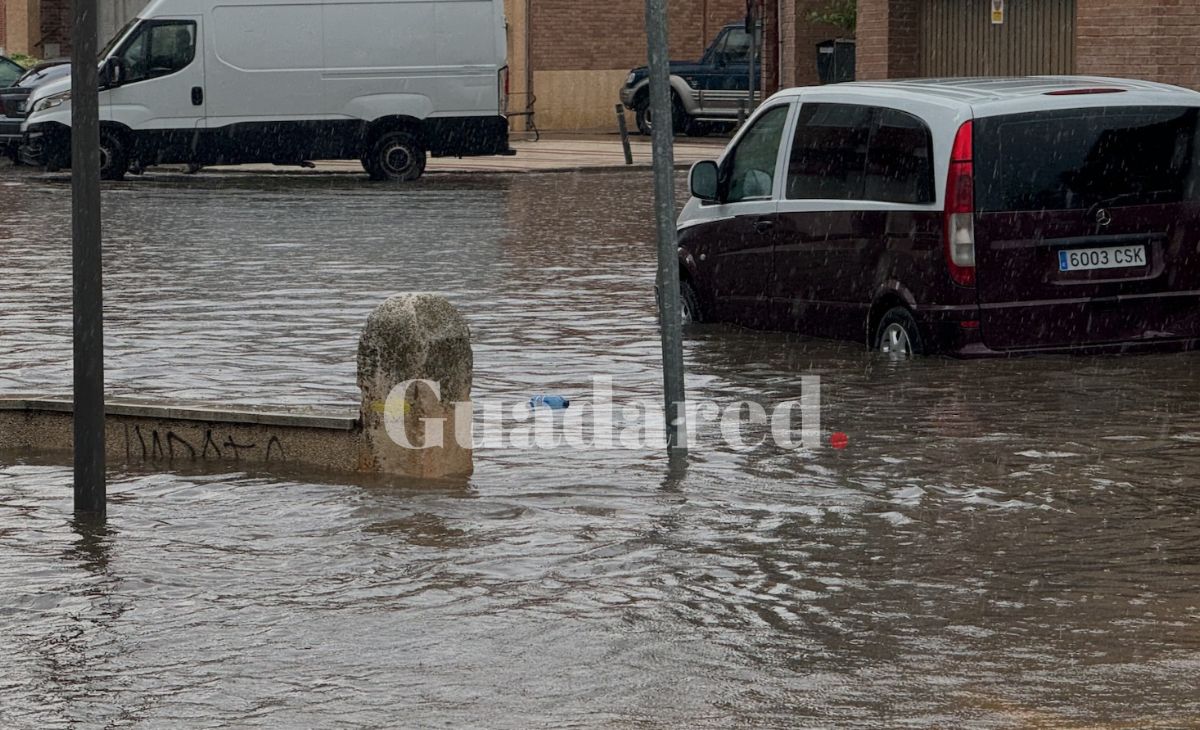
x=1003 y=543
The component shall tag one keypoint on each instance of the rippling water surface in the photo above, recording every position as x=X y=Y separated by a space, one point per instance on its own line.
x=1004 y=543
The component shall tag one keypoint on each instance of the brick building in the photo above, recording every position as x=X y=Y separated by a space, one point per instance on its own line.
x=573 y=56
x=42 y=28
x=1145 y=39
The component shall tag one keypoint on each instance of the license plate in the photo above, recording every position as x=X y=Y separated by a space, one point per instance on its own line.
x=1119 y=257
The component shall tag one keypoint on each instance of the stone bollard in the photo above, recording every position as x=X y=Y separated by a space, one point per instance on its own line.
x=413 y=431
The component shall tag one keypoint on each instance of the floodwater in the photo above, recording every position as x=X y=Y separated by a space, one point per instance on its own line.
x=1002 y=543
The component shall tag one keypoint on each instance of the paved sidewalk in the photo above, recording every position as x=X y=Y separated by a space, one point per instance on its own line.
x=551 y=154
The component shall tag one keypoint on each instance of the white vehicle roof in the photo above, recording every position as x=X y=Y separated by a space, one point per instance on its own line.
x=984 y=97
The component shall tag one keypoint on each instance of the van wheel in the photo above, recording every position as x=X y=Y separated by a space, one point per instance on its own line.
x=396 y=156
x=898 y=336
x=114 y=158
x=689 y=304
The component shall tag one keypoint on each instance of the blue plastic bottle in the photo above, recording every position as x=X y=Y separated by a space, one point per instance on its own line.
x=553 y=402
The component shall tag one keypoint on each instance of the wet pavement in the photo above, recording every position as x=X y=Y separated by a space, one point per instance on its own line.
x=1003 y=543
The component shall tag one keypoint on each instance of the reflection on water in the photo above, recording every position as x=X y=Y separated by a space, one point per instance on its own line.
x=1003 y=543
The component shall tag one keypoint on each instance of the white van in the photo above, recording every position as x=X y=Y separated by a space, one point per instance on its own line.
x=226 y=82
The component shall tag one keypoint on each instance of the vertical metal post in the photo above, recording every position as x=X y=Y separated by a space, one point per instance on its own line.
x=624 y=134
x=90 y=492
x=752 y=29
x=741 y=113
x=664 y=210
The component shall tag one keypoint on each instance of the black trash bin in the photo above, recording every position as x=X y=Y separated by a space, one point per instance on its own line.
x=835 y=61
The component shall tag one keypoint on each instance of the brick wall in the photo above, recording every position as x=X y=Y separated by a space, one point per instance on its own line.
x=888 y=39
x=1148 y=39
x=573 y=35
x=798 y=65
x=4 y=25
x=56 y=28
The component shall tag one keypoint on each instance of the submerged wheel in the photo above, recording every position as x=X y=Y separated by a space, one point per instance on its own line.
x=396 y=156
x=114 y=157
x=689 y=304
x=898 y=335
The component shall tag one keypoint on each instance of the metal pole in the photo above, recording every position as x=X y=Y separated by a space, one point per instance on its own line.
x=624 y=134
x=664 y=209
x=90 y=490
x=752 y=29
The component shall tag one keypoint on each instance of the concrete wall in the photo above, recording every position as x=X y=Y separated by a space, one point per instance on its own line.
x=184 y=436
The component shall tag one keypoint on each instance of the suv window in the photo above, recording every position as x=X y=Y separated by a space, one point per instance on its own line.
x=750 y=169
x=9 y=73
x=735 y=47
x=159 y=49
x=853 y=152
x=1074 y=159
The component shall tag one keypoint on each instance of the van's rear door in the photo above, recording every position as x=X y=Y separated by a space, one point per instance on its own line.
x=1087 y=227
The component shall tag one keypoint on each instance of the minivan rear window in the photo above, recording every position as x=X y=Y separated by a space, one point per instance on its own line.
x=1079 y=158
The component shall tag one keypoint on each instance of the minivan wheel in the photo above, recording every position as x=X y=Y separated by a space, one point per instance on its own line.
x=114 y=159
x=397 y=156
x=898 y=336
x=689 y=304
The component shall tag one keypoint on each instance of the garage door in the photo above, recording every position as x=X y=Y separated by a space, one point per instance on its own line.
x=958 y=38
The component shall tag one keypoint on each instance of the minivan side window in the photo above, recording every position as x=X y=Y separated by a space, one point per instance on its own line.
x=900 y=159
x=159 y=49
x=750 y=170
x=853 y=152
x=829 y=152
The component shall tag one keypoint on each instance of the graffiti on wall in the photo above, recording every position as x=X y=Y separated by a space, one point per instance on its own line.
x=153 y=444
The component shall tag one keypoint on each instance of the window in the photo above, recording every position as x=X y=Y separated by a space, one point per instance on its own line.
x=9 y=73
x=159 y=49
x=1072 y=160
x=734 y=47
x=829 y=152
x=851 y=152
x=900 y=159
x=751 y=166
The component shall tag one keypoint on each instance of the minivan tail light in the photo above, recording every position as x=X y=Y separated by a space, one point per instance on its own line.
x=502 y=85
x=959 y=221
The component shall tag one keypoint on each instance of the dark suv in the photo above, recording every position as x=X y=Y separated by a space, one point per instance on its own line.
x=705 y=93
x=958 y=216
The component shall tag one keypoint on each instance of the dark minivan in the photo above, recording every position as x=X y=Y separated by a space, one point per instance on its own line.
x=958 y=216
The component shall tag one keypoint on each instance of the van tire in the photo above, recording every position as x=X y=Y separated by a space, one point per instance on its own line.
x=689 y=304
x=114 y=157
x=898 y=335
x=396 y=156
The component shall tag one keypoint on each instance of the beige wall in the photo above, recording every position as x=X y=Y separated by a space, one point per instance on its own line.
x=24 y=21
x=516 y=13
x=578 y=99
